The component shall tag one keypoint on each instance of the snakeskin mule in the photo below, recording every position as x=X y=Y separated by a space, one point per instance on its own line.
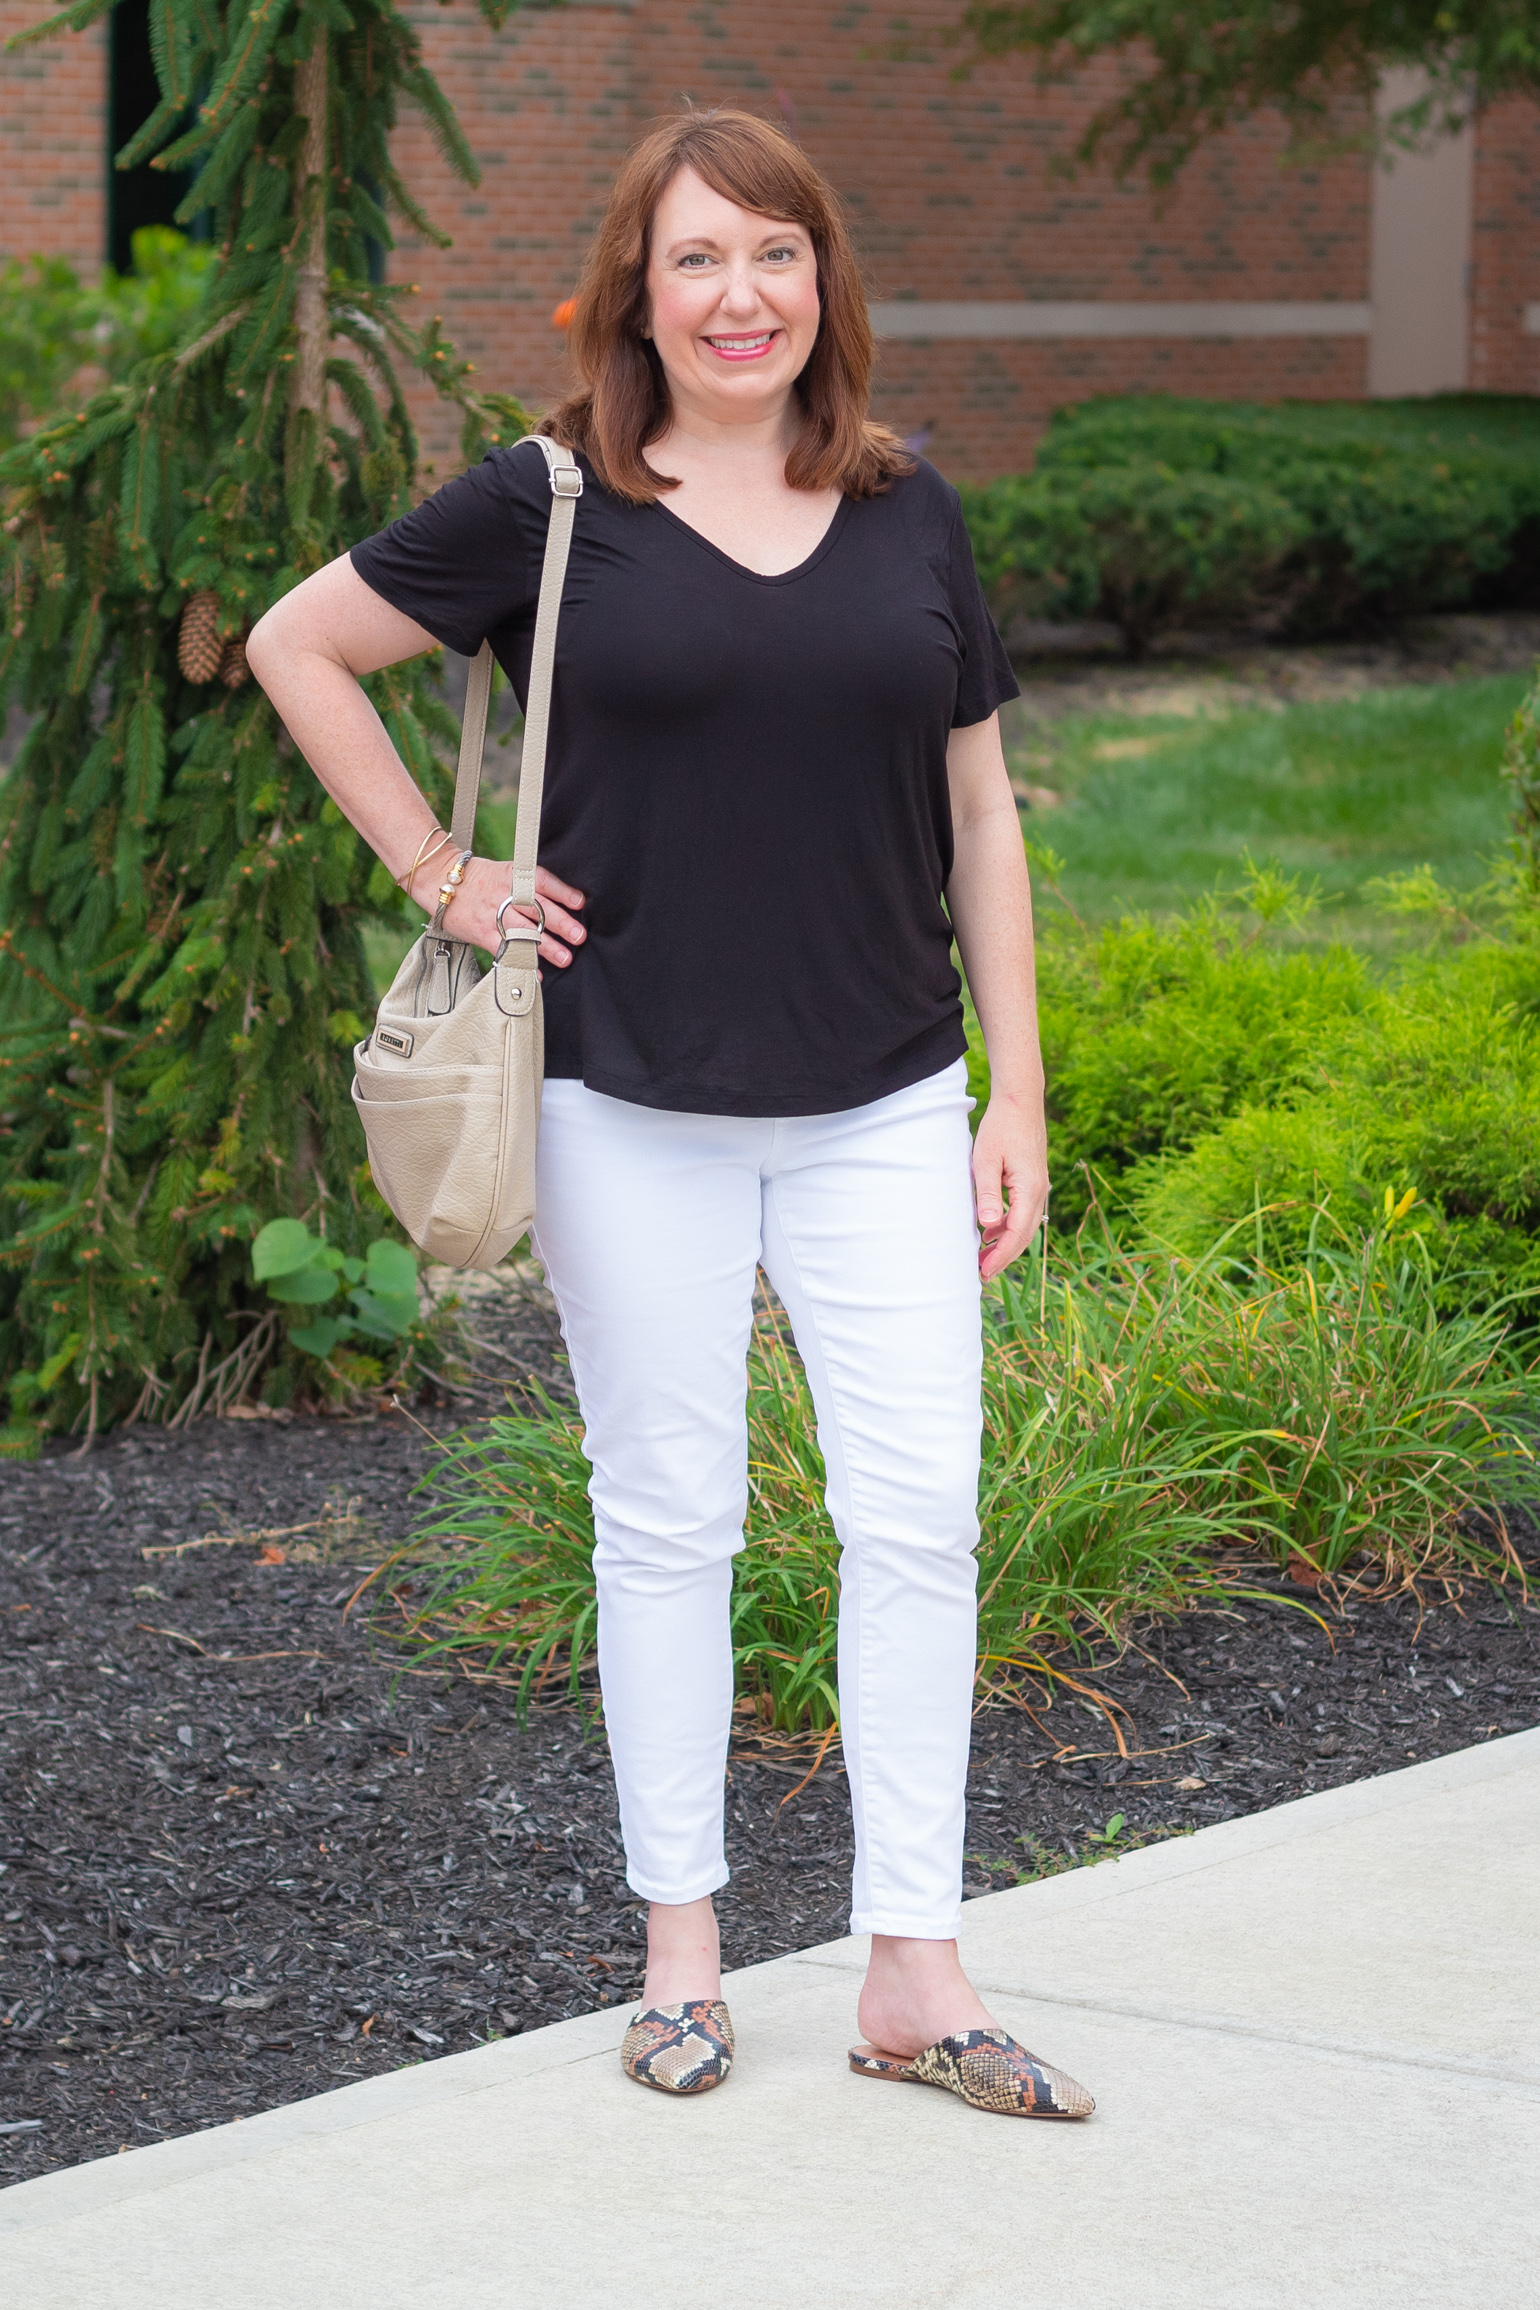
x=680 y=2048
x=987 y=2070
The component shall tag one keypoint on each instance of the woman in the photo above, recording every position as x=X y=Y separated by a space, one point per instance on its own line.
x=775 y=749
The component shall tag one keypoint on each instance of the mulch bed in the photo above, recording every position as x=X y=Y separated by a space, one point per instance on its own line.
x=245 y=1858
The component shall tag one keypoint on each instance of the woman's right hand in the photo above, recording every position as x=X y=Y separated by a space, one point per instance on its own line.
x=472 y=912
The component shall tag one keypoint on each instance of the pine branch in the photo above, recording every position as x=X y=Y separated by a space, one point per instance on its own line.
x=76 y=19
x=448 y=136
x=310 y=98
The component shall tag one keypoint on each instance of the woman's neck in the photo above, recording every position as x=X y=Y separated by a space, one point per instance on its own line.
x=711 y=443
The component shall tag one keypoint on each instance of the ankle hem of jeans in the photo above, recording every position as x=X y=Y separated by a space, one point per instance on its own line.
x=908 y=1928
x=677 y=1900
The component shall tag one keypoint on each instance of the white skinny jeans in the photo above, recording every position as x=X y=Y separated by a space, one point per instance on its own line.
x=650 y=1228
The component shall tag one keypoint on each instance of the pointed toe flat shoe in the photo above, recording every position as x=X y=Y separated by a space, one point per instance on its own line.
x=684 y=2048
x=986 y=2069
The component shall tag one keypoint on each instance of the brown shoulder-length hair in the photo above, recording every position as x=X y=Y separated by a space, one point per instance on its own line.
x=622 y=402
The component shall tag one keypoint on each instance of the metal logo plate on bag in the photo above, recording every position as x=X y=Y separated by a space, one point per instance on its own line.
x=390 y=1040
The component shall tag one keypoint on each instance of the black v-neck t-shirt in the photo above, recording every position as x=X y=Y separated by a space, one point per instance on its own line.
x=746 y=775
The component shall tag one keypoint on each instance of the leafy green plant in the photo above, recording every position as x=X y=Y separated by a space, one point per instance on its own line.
x=1155 y=1032
x=1164 y=77
x=146 y=310
x=56 y=331
x=302 y=1270
x=47 y=324
x=1141 y=544
x=1040 y=1859
x=1521 y=769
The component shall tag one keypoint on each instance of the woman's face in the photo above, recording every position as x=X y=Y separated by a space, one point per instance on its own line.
x=732 y=303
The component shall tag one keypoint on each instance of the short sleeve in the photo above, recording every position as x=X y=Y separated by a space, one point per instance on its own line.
x=461 y=563
x=987 y=680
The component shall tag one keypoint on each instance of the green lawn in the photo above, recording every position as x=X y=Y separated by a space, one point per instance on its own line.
x=1157 y=811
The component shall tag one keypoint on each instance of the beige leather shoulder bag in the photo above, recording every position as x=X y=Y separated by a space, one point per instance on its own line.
x=448 y=1084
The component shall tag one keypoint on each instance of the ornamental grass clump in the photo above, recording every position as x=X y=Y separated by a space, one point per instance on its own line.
x=1355 y=1431
x=1156 y=1431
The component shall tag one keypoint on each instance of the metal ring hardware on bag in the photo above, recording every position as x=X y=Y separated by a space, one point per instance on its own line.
x=448 y=1087
x=525 y=929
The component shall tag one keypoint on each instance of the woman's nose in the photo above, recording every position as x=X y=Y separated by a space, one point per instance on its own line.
x=740 y=294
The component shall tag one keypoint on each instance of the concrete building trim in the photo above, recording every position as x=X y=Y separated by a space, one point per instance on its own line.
x=1147 y=317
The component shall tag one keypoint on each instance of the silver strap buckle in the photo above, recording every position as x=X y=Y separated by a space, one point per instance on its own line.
x=522 y=926
x=566 y=481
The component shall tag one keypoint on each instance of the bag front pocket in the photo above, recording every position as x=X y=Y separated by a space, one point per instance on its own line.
x=436 y=1158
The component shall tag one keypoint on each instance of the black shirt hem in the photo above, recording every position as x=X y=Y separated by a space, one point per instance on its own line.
x=929 y=1055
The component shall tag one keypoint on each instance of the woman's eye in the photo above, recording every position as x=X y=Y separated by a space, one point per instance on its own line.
x=780 y=256
x=694 y=261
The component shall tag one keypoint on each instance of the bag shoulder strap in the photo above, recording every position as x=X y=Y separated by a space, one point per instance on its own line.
x=566 y=488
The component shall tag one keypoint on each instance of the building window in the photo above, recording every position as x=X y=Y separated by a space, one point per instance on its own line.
x=142 y=195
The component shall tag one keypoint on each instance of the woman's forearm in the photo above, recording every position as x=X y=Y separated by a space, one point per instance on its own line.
x=990 y=900
x=989 y=897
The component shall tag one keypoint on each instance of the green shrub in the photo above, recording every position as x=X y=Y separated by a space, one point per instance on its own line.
x=53 y=326
x=1432 y=1091
x=1521 y=769
x=1155 y=1032
x=1141 y=544
x=1391 y=508
x=46 y=324
x=1140 y=1413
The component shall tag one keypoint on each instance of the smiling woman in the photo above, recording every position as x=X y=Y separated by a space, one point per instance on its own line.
x=775 y=794
x=720 y=228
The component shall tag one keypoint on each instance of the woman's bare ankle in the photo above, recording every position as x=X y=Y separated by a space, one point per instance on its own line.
x=914 y=1993
x=684 y=1955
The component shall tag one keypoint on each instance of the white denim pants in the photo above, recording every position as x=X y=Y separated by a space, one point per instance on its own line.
x=650 y=1229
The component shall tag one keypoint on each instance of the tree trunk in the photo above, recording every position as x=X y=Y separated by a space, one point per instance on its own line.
x=310 y=306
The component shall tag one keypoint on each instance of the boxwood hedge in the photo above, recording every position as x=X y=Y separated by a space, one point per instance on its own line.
x=1157 y=513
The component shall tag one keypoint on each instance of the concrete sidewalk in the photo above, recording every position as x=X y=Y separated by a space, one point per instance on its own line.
x=1314 y=2038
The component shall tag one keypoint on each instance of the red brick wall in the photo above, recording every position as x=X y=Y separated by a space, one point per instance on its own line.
x=1505 y=249
x=53 y=138
x=949 y=182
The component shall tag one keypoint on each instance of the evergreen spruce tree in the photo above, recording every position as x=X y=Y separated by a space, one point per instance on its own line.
x=181 y=964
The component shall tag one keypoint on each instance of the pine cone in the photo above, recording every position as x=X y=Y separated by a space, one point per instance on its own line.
x=233 y=669
x=200 y=645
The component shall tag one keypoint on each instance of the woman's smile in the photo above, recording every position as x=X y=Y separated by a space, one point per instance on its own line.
x=743 y=348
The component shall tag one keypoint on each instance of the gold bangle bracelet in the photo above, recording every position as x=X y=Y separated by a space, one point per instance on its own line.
x=423 y=852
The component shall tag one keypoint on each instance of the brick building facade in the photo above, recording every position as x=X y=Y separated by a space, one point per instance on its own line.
x=999 y=288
